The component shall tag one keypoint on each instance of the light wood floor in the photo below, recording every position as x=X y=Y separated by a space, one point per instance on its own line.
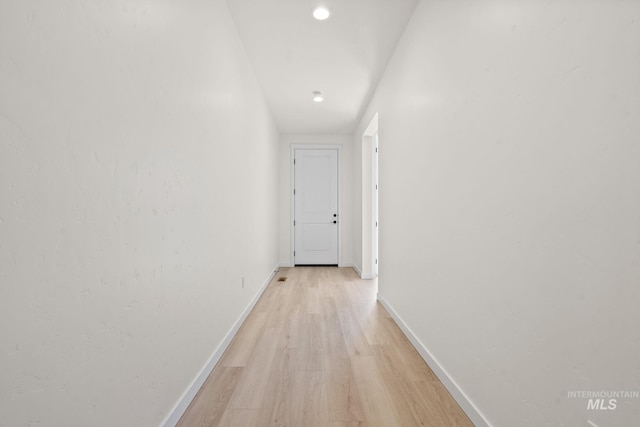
x=318 y=350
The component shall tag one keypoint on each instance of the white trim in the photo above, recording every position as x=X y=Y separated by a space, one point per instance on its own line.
x=349 y=265
x=368 y=276
x=372 y=127
x=285 y=265
x=375 y=215
x=463 y=400
x=292 y=215
x=190 y=393
x=315 y=146
x=357 y=269
x=367 y=199
x=292 y=150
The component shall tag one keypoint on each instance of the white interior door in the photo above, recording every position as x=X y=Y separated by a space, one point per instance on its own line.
x=316 y=207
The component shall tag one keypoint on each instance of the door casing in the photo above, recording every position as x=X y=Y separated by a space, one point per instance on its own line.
x=368 y=252
x=293 y=148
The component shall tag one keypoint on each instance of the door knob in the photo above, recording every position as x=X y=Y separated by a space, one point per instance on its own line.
x=335 y=222
x=335 y=215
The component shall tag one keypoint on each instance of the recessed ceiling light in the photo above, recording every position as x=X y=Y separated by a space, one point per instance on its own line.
x=321 y=13
x=317 y=97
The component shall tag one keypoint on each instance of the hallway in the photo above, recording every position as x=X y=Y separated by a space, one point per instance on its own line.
x=318 y=350
x=147 y=198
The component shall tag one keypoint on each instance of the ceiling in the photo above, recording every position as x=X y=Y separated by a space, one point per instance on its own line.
x=344 y=57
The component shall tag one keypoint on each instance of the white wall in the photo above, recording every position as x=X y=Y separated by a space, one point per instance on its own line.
x=138 y=182
x=346 y=193
x=509 y=208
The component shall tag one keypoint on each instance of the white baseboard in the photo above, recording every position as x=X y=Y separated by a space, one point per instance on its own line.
x=467 y=406
x=351 y=265
x=357 y=269
x=285 y=265
x=362 y=276
x=178 y=410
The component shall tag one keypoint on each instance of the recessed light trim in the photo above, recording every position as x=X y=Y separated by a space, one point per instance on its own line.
x=317 y=97
x=321 y=13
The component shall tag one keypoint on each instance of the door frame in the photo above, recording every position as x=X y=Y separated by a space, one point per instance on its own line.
x=368 y=253
x=375 y=214
x=292 y=173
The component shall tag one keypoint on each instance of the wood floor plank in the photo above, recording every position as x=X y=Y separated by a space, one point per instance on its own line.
x=309 y=399
x=344 y=403
x=340 y=294
x=299 y=292
x=249 y=392
x=443 y=409
x=312 y=303
x=408 y=405
x=244 y=342
x=280 y=309
x=331 y=331
x=275 y=409
x=311 y=355
x=413 y=364
x=268 y=298
x=376 y=400
x=210 y=403
x=291 y=329
x=354 y=337
x=372 y=323
x=239 y=418
x=343 y=397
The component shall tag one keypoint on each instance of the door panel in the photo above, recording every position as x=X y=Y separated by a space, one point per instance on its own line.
x=316 y=206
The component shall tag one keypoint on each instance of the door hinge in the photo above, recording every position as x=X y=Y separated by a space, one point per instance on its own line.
x=294 y=253
x=376 y=149
x=294 y=223
x=376 y=223
x=376 y=261
x=294 y=191
x=294 y=161
x=376 y=186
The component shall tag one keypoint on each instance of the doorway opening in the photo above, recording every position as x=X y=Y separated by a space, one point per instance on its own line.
x=370 y=217
x=374 y=205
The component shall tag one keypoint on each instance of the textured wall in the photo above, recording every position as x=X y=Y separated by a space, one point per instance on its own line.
x=509 y=207
x=138 y=183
